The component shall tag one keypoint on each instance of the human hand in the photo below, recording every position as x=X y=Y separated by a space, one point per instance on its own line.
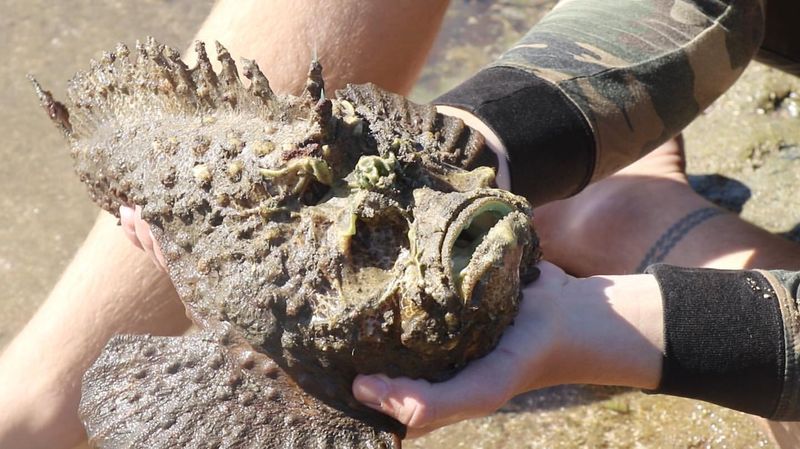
x=138 y=232
x=519 y=363
x=604 y=330
x=493 y=142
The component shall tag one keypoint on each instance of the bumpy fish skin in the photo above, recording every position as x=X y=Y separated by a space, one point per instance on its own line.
x=210 y=390
x=334 y=236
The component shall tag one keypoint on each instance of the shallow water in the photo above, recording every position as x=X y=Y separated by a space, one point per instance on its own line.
x=48 y=212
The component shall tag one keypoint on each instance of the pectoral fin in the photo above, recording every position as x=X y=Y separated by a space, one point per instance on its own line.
x=204 y=391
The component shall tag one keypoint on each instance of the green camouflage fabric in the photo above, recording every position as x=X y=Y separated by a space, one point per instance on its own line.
x=640 y=70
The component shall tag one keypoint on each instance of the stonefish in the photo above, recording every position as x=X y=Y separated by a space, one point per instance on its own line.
x=310 y=239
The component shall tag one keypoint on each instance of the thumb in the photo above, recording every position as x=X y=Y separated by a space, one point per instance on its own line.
x=478 y=390
x=409 y=401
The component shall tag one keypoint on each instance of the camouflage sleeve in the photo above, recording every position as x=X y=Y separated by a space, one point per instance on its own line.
x=599 y=83
x=725 y=329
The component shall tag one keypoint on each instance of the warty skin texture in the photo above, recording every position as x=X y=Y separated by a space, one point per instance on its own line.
x=310 y=239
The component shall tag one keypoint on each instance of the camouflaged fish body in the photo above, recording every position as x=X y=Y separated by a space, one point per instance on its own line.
x=310 y=239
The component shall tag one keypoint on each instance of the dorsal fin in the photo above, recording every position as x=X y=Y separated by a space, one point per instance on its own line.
x=315 y=85
x=118 y=86
x=205 y=77
x=259 y=84
x=228 y=75
x=185 y=85
x=57 y=112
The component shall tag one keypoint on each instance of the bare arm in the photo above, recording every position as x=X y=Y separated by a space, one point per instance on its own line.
x=112 y=287
x=602 y=330
x=357 y=41
x=599 y=83
x=591 y=352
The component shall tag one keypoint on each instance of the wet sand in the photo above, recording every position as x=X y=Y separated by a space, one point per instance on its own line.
x=48 y=212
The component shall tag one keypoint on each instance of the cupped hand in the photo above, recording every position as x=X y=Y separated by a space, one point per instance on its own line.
x=518 y=364
x=138 y=232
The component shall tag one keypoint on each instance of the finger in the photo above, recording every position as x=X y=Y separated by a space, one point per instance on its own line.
x=551 y=278
x=481 y=388
x=161 y=261
x=145 y=236
x=549 y=271
x=142 y=230
x=403 y=399
x=127 y=220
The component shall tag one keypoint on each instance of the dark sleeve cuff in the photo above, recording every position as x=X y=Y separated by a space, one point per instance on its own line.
x=550 y=144
x=724 y=339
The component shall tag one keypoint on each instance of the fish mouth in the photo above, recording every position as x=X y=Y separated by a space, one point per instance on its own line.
x=485 y=242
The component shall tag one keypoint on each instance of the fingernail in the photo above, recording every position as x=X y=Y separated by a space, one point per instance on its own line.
x=371 y=390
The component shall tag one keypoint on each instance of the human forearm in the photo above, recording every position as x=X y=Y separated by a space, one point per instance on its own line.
x=726 y=241
x=609 y=332
x=111 y=287
x=357 y=41
x=579 y=97
x=41 y=369
x=632 y=220
x=601 y=330
x=723 y=336
x=698 y=333
x=729 y=339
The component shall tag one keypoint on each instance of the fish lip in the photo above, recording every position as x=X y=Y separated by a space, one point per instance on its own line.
x=480 y=217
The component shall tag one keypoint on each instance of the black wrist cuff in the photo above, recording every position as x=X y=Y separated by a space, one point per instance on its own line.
x=724 y=341
x=550 y=144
